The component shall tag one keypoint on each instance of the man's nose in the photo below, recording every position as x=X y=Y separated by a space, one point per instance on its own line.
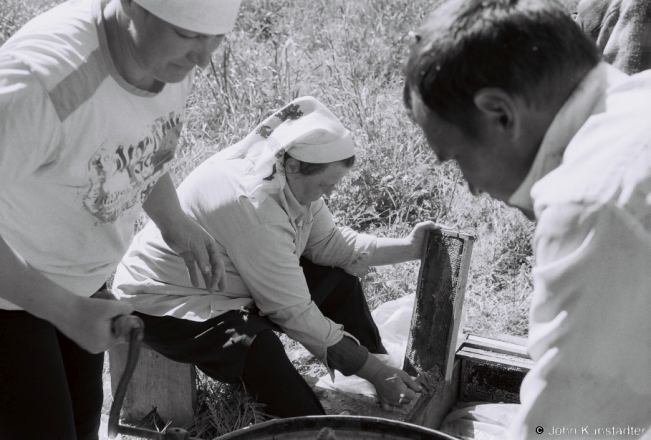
x=204 y=49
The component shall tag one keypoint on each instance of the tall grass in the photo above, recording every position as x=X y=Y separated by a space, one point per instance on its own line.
x=349 y=54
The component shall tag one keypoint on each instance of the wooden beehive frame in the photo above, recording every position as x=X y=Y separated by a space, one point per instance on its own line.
x=455 y=368
x=433 y=338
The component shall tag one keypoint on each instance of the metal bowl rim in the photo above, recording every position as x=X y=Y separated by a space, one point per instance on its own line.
x=297 y=424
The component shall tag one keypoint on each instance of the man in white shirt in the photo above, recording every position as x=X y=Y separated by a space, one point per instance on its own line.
x=516 y=94
x=92 y=98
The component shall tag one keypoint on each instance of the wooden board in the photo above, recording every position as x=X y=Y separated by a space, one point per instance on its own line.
x=430 y=409
x=492 y=371
x=497 y=346
x=437 y=309
x=339 y=403
x=156 y=382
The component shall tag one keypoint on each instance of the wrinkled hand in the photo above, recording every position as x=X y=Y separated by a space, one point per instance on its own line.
x=91 y=323
x=418 y=237
x=394 y=387
x=199 y=252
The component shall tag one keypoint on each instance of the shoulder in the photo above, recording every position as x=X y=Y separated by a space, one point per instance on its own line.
x=57 y=43
x=29 y=103
x=215 y=193
x=610 y=155
x=248 y=226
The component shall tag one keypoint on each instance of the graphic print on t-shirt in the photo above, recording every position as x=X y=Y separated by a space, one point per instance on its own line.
x=122 y=178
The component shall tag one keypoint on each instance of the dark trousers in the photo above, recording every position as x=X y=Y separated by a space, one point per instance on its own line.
x=50 y=388
x=240 y=347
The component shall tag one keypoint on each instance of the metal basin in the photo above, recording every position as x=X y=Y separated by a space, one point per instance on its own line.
x=343 y=428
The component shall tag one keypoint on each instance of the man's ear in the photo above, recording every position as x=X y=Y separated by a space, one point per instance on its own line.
x=500 y=110
x=292 y=166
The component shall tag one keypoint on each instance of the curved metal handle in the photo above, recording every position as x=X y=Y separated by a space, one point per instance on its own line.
x=135 y=339
x=114 y=427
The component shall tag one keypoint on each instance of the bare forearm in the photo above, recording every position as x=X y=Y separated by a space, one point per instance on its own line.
x=185 y=236
x=370 y=369
x=28 y=288
x=162 y=204
x=393 y=386
x=394 y=251
x=399 y=250
x=87 y=321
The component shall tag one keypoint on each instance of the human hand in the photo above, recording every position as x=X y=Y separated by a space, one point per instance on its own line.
x=394 y=387
x=418 y=237
x=124 y=325
x=199 y=252
x=91 y=323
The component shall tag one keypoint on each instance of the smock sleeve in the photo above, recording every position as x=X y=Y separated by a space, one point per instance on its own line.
x=329 y=245
x=265 y=256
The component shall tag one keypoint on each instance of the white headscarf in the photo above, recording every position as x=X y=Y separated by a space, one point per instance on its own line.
x=305 y=129
x=210 y=17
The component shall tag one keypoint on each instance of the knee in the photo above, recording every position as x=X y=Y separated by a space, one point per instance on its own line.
x=352 y=285
x=266 y=346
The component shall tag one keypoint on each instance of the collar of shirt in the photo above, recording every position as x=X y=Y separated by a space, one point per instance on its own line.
x=294 y=209
x=575 y=112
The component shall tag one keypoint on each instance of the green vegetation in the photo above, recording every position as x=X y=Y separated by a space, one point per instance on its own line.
x=349 y=55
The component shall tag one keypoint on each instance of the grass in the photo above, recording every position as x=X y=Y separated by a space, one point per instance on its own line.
x=349 y=55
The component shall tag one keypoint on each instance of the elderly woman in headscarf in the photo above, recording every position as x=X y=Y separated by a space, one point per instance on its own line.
x=288 y=267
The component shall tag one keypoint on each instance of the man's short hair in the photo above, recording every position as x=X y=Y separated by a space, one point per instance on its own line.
x=524 y=47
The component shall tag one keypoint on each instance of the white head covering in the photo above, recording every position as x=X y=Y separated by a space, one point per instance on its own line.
x=305 y=129
x=210 y=17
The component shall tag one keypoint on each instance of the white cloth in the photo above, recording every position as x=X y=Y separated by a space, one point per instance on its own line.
x=480 y=421
x=79 y=147
x=393 y=320
x=209 y=17
x=260 y=245
x=585 y=100
x=590 y=332
x=305 y=129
